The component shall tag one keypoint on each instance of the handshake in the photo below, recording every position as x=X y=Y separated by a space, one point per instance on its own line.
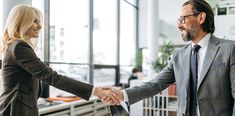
x=109 y=95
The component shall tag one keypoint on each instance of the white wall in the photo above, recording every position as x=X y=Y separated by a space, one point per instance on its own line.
x=168 y=12
x=225 y=26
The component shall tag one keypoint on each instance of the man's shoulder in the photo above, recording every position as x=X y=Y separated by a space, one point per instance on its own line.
x=182 y=48
x=223 y=41
x=224 y=44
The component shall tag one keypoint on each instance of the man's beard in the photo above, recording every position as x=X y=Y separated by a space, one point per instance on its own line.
x=189 y=35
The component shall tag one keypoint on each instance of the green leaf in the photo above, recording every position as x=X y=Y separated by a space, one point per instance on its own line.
x=165 y=52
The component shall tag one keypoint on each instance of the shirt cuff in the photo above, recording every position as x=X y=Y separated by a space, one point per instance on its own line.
x=93 y=91
x=125 y=96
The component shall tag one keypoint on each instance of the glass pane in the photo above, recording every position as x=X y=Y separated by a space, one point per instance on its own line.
x=125 y=73
x=104 y=76
x=69 y=31
x=39 y=49
x=132 y=2
x=105 y=32
x=38 y=4
x=1 y=21
x=232 y=10
x=127 y=34
x=77 y=72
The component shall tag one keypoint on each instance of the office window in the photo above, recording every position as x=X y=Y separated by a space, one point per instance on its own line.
x=69 y=31
x=104 y=76
x=68 y=40
x=105 y=32
x=39 y=49
x=231 y=10
x=133 y=2
x=1 y=21
x=125 y=73
x=127 y=34
x=127 y=39
x=76 y=72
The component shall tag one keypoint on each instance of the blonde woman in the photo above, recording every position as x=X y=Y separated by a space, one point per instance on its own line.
x=22 y=69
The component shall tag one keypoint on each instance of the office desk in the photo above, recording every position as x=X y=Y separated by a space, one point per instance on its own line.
x=94 y=107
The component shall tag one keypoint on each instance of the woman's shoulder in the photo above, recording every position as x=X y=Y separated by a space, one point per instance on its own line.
x=21 y=50
x=10 y=51
x=19 y=44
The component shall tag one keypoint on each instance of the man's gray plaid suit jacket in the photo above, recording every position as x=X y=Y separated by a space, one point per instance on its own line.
x=216 y=87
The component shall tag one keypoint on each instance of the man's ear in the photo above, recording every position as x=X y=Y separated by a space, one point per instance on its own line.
x=202 y=17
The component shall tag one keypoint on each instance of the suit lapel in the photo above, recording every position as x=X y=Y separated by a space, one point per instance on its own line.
x=209 y=57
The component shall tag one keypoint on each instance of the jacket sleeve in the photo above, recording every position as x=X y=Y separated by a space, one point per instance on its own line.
x=151 y=88
x=27 y=59
x=232 y=75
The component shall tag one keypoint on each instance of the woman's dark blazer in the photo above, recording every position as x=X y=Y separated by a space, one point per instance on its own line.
x=21 y=72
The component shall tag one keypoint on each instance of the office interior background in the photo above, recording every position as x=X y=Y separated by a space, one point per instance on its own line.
x=100 y=41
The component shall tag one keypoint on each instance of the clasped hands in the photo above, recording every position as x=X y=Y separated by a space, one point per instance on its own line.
x=109 y=95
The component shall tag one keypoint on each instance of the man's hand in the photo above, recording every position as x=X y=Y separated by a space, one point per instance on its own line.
x=115 y=92
x=108 y=96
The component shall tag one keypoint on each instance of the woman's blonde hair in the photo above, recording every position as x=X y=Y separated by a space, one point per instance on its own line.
x=20 y=19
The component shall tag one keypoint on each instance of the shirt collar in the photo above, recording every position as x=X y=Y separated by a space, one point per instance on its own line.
x=204 y=42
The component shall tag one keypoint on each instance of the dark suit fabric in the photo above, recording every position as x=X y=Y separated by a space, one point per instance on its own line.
x=216 y=86
x=21 y=72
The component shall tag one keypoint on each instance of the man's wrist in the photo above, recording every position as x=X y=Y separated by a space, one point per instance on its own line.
x=93 y=91
x=125 y=96
x=97 y=91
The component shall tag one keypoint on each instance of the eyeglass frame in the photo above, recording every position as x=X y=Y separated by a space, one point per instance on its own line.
x=182 y=18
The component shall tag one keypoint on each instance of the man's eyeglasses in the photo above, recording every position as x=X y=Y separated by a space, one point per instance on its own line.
x=182 y=18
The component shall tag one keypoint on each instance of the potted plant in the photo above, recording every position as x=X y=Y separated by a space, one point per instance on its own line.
x=165 y=52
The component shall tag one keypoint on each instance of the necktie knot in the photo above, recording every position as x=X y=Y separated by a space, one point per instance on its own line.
x=196 y=47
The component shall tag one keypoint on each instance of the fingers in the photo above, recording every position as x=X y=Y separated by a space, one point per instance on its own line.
x=115 y=99
x=111 y=95
x=98 y=92
x=108 y=100
x=105 y=99
x=118 y=94
x=106 y=95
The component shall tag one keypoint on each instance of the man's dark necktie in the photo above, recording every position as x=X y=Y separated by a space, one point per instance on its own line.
x=193 y=84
